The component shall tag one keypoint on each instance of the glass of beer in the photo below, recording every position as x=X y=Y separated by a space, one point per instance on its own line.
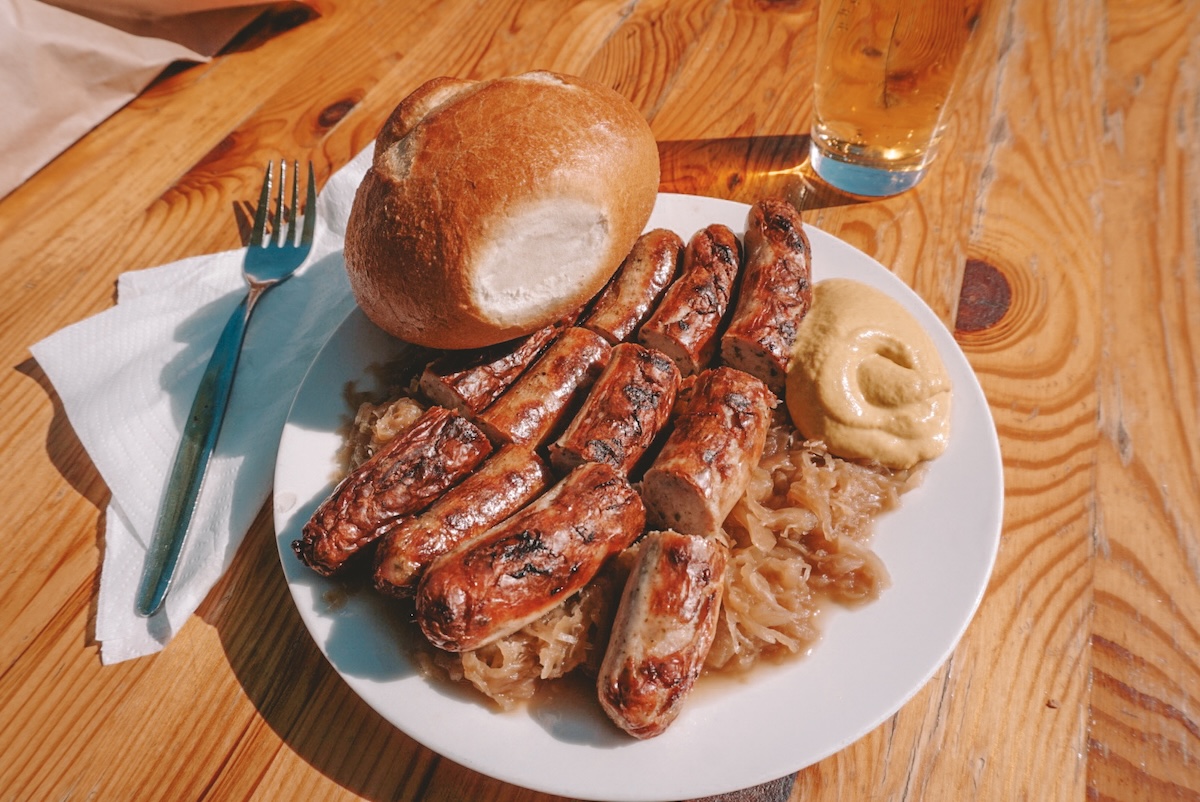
x=885 y=73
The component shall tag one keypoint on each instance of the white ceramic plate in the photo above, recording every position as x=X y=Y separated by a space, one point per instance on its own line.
x=939 y=548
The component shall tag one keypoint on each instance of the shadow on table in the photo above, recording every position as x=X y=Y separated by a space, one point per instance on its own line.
x=746 y=169
x=69 y=458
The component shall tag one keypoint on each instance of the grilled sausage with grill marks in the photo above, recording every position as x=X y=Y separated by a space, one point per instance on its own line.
x=774 y=293
x=637 y=287
x=663 y=630
x=531 y=410
x=628 y=406
x=685 y=324
x=401 y=478
x=705 y=464
x=509 y=480
x=525 y=566
x=468 y=381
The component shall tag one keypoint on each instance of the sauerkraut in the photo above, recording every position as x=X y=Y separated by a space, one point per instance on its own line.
x=798 y=538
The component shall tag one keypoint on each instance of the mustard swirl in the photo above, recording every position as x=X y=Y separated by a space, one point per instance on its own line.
x=867 y=379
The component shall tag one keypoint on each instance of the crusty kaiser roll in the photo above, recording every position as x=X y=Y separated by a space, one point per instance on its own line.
x=493 y=208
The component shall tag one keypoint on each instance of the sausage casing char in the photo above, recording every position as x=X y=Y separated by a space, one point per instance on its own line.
x=533 y=407
x=705 y=464
x=522 y=568
x=637 y=286
x=686 y=322
x=469 y=381
x=628 y=406
x=663 y=630
x=774 y=294
x=401 y=478
x=506 y=482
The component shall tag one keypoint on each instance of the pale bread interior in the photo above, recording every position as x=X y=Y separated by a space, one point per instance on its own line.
x=533 y=259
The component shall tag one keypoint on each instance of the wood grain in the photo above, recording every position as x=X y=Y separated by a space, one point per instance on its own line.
x=1071 y=173
x=1144 y=742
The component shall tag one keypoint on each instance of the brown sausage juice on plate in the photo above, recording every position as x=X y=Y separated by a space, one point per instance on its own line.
x=659 y=515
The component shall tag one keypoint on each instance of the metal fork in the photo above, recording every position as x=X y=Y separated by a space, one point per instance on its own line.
x=270 y=260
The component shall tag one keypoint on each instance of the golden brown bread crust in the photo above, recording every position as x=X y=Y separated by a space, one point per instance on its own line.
x=458 y=167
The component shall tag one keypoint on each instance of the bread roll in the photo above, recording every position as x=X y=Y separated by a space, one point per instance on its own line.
x=494 y=208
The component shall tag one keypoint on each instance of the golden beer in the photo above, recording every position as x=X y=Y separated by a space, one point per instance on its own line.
x=885 y=71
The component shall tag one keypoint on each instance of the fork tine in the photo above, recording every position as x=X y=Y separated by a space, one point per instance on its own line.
x=277 y=225
x=260 y=215
x=310 y=209
x=295 y=208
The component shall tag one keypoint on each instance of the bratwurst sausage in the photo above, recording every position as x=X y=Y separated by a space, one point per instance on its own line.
x=685 y=324
x=663 y=630
x=627 y=407
x=531 y=410
x=637 y=287
x=509 y=480
x=401 y=478
x=773 y=296
x=468 y=381
x=705 y=465
x=527 y=565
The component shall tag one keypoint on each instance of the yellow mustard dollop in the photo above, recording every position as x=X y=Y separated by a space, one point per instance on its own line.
x=867 y=379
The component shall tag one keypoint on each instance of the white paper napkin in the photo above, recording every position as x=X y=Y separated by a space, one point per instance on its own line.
x=127 y=377
x=66 y=65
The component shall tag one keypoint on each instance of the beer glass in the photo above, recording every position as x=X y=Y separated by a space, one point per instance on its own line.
x=885 y=73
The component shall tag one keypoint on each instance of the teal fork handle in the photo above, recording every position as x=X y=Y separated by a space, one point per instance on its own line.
x=191 y=461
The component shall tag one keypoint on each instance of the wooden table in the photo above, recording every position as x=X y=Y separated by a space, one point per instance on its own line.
x=1059 y=235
